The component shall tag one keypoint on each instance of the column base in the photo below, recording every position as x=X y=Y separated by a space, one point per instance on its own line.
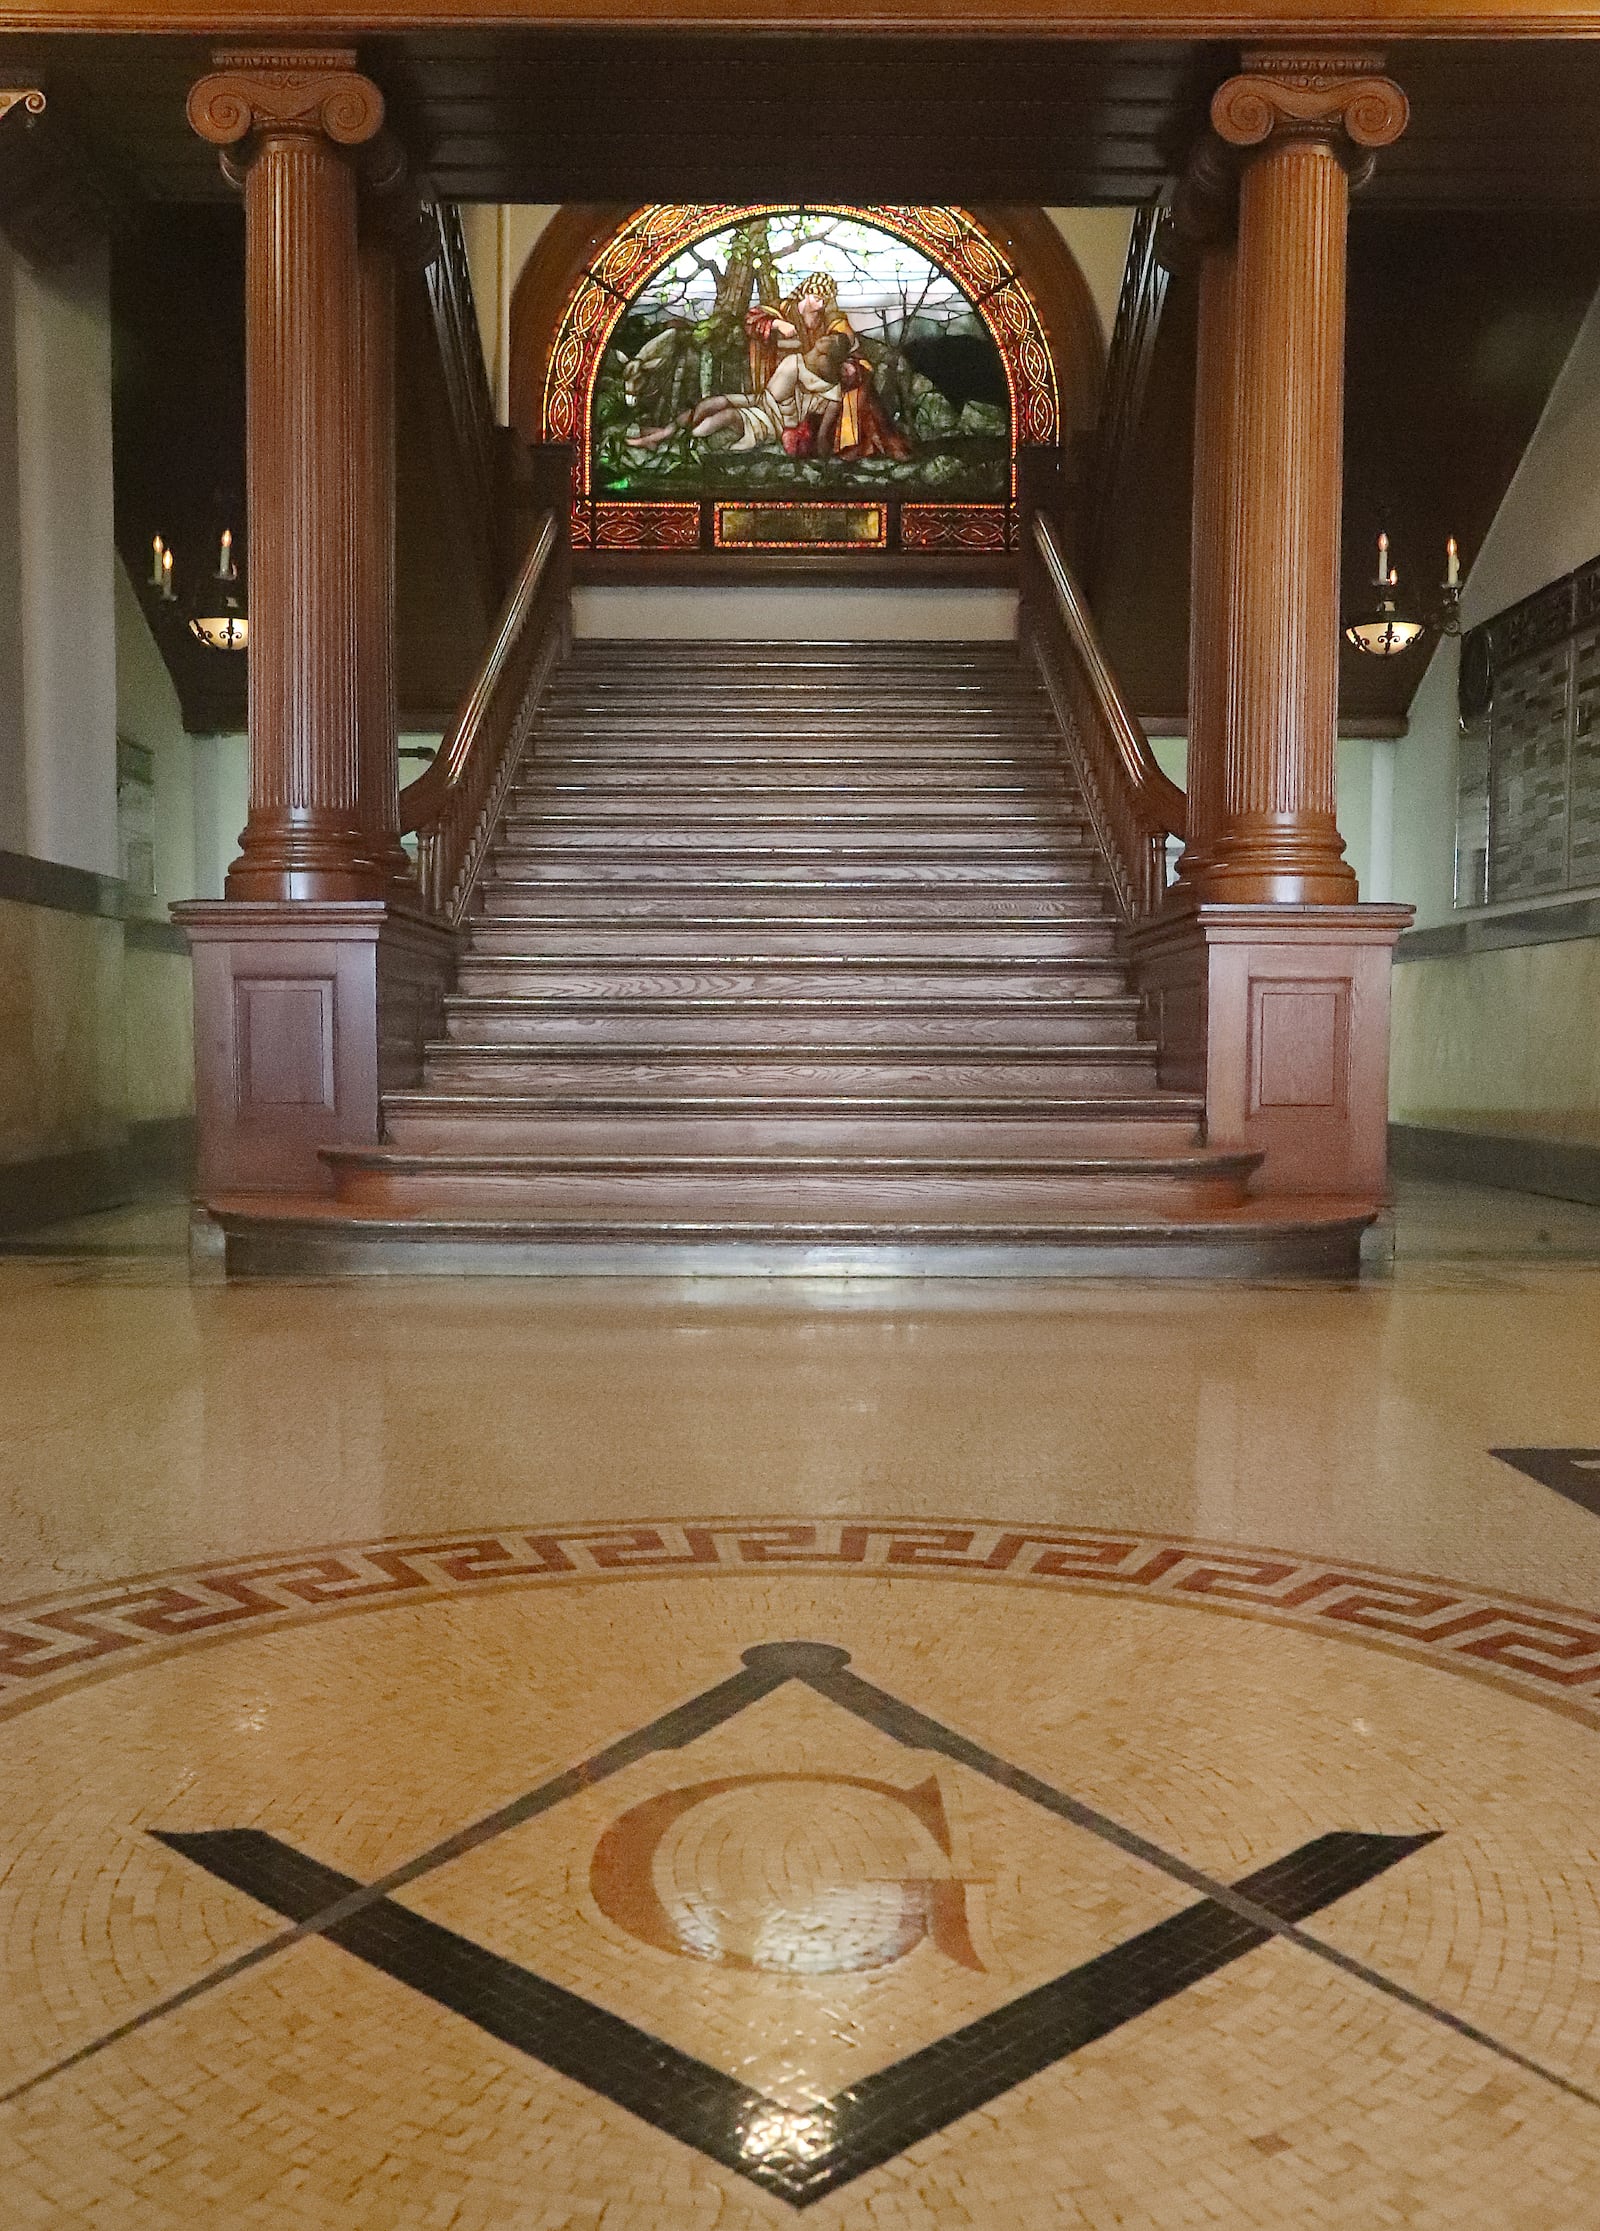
x=304 y=1015
x=1279 y=1017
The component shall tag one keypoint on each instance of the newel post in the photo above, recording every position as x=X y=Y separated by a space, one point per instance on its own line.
x=1265 y=979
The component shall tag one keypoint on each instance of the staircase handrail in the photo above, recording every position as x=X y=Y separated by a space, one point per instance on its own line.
x=1134 y=807
x=455 y=802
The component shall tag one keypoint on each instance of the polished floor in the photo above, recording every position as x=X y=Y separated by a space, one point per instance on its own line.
x=527 y=1756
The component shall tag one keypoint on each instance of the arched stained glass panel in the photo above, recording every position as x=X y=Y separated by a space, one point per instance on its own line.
x=822 y=377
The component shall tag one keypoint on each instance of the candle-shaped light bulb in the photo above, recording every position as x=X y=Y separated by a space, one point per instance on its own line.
x=156 y=549
x=225 y=561
x=167 y=591
x=1394 y=577
x=1383 y=561
x=1452 y=565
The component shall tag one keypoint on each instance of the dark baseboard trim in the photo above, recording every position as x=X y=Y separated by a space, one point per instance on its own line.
x=1489 y=933
x=143 y=934
x=32 y=882
x=159 y=1153
x=1565 y=1170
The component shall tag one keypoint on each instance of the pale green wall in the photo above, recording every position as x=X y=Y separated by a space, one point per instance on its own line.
x=1504 y=1040
x=1424 y=796
x=148 y=714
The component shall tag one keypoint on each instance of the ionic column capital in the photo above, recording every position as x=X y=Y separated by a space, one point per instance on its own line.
x=262 y=93
x=1344 y=101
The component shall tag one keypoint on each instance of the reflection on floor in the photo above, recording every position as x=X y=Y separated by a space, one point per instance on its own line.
x=526 y=1756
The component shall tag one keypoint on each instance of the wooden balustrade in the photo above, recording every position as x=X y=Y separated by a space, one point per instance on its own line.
x=1133 y=805
x=454 y=805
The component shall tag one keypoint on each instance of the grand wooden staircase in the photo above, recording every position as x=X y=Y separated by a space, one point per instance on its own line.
x=793 y=956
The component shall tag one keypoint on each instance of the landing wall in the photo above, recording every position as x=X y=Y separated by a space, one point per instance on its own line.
x=793 y=613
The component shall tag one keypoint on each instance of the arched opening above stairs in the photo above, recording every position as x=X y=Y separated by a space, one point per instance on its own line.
x=898 y=461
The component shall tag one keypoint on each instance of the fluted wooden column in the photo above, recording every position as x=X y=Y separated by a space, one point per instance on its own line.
x=289 y=123
x=1300 y=125
x=376 y=705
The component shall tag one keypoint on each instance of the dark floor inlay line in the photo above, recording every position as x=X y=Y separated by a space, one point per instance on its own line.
x=801 y=2155
x=1574 y=1473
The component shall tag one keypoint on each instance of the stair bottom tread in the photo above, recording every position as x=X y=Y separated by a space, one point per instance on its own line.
x=1257 y=1215
x=1087 y=1107
x=450 y=1162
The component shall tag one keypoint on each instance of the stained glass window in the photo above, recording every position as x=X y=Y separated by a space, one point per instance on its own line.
x=715 y=361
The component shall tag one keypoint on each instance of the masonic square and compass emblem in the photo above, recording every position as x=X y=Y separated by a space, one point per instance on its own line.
x=798 y=1924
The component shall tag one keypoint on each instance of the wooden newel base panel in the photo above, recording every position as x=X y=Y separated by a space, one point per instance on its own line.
x=1279 y=1015
x=305 y=1013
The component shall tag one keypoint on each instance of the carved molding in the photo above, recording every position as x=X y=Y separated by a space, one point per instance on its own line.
x=26 y=97
x=1329 y=97
x=282 y=91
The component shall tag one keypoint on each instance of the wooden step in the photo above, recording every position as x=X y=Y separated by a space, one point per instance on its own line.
x=726 y=1025
x=703 y=1188
x=828 y=979
x=855 y=815
x=942 y=759
x=831 y=837
x=826 y=1067
x=1152 y=1124
x=1293 y=1237
x=734 y=650
x=786 y=687
x=515 y=869
x=682 y=902
x=721 y=940
x=897 y=723
x=801 y=788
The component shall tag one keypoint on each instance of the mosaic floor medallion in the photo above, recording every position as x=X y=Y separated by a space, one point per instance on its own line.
x=715 y=1874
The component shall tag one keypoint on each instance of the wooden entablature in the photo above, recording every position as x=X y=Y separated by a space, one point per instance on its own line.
x=1099 y=19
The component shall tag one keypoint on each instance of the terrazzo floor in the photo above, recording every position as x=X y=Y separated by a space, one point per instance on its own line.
x=526 y=1756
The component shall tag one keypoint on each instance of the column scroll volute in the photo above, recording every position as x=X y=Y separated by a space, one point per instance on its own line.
x=255 y=94
x=1345 y=101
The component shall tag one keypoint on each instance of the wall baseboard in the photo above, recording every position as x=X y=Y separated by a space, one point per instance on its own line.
x=155 y=1154
x=1564 y=1170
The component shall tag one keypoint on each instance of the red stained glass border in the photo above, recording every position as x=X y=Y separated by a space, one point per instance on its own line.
x=658 y=526
x=954 y=527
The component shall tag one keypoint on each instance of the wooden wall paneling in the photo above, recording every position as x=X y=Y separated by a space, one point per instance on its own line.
x=1279 y=1014
x=304 y=1013
x=389 y=217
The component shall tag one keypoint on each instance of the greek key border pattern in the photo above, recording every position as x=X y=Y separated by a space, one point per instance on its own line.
x=1542 y=1651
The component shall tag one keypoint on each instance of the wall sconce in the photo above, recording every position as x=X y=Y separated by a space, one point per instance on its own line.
x=1386 y=627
